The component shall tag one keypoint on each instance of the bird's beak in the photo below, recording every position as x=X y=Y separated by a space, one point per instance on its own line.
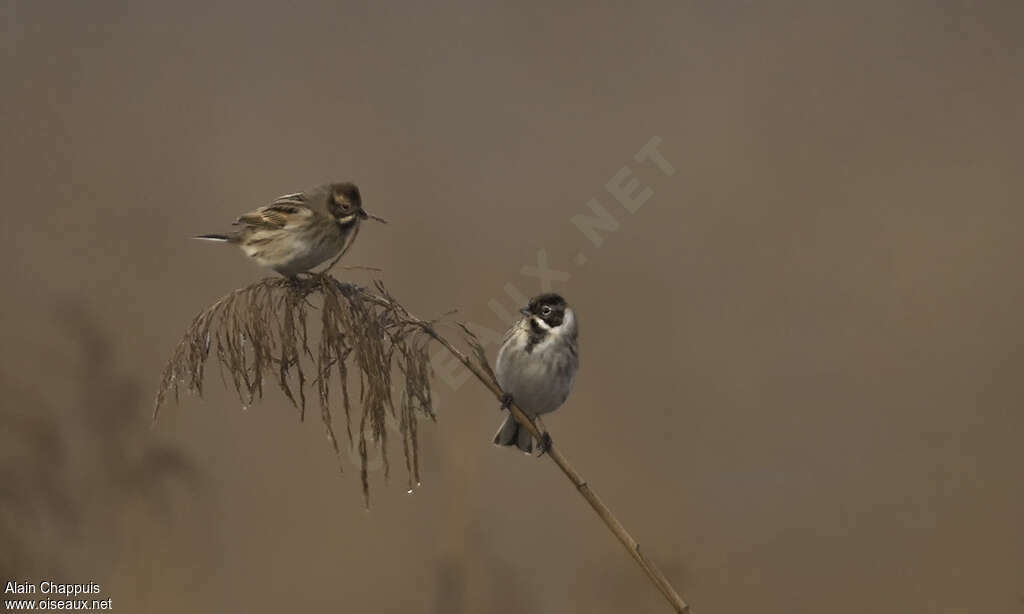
x=525 y=311
x=365 y=215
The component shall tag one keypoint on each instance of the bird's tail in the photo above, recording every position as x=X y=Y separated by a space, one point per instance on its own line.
x=219 y=238
x=512 y=433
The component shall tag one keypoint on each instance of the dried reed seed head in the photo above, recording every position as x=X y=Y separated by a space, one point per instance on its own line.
x=262 y=333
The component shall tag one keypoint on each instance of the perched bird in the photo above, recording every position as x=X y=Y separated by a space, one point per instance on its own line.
x=536 y=366
x=297 y=232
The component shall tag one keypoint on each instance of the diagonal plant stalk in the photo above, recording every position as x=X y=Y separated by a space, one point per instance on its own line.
x=483 y=373
x=260 y=330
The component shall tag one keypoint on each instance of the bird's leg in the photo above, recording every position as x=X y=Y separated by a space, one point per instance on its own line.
x=544 y=444
x=298 y=284
x=545 y=439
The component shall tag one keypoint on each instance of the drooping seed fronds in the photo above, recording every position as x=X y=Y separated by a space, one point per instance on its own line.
x=311 y=334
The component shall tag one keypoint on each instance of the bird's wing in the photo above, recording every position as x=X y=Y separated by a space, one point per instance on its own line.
x=511 y=331
x=517 y=327
x=286 y=210
x=297 y=198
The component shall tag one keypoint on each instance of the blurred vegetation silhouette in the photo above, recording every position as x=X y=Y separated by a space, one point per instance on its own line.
x=66 y=475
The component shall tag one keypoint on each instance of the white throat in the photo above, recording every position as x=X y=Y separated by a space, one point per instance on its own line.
x=566 y=328
x=541 y=324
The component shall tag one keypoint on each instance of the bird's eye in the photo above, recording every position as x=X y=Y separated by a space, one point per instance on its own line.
x=545 y=310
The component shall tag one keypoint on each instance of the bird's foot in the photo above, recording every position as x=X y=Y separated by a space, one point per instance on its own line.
x=300 y=284
x=506 y=401
x=544 y=444
x=295 y=280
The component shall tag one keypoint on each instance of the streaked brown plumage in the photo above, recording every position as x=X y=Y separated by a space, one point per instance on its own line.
x=297 y=232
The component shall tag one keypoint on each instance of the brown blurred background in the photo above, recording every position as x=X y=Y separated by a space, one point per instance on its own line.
x=802 y=357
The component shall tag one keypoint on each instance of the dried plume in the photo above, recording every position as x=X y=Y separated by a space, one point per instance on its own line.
x=307 y=335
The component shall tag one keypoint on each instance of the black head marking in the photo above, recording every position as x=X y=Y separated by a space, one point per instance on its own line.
x=344 y=200
x=549 y=307
x=346 y=191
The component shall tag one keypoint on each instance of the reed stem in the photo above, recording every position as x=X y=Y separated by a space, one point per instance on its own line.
x=487 y=379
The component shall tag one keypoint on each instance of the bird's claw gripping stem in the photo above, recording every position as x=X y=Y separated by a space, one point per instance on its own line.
x=544 y=444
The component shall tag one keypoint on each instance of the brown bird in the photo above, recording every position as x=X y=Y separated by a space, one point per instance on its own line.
x=297 y=232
